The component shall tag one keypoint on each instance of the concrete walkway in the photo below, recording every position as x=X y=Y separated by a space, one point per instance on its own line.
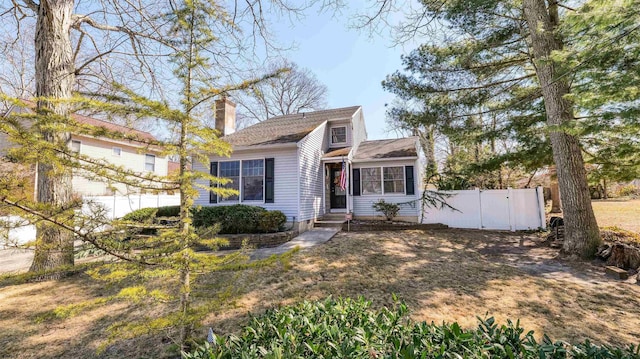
x=305 y=240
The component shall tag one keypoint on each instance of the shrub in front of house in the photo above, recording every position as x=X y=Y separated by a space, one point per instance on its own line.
x=142 y=215
x=234 y=219
x=271 y=221
x=168 y=211
x=347 y=328
x=390 y=210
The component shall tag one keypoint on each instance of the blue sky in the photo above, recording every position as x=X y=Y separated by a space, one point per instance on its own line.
x=350 y=63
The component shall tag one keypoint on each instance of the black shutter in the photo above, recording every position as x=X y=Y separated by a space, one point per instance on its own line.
x=356 y=181
x=408 y=170
x=269 y=171
x=213 y=198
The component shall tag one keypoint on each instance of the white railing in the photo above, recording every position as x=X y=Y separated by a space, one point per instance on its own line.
x=507 y=209
x=115 y=206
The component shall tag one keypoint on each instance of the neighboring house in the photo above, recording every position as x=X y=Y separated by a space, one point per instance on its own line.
x=293 y=163
x=136 y=156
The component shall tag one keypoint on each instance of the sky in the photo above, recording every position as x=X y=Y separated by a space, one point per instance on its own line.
x=351 y=63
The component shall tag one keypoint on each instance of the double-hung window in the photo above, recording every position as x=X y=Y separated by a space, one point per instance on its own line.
x=75 y=146
x=150 y=163
x=382 y=180
x=231 y=170
x=393 y=178
x=371 y=180
x=253 y=180
x=339 y=135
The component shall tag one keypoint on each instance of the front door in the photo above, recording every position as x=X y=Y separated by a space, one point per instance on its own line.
x=338 y=195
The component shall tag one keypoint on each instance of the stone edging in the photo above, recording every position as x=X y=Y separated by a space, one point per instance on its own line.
x=257 y=240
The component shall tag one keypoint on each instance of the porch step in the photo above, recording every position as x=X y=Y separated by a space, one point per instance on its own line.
x=325 y=223
x=332 y=217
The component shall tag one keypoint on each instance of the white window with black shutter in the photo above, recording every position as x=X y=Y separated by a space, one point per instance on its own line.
x=390 y=180
x=252 y=179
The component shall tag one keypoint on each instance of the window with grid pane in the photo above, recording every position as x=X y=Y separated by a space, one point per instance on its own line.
x=339 y=135
x=393 y=178
x=149 y=163
x=370 y=180
x=253 y=180
x=230 y=170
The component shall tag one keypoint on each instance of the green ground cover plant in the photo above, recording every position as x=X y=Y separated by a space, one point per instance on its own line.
x=350 y=328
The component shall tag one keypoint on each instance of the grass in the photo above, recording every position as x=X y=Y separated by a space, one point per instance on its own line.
x=619 y=213
x=445 y=275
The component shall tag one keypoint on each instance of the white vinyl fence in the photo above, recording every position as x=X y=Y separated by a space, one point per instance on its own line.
x=118 y=206
x=505 y=209
x=115 y=206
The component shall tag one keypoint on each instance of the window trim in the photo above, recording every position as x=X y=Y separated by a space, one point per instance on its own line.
x=346 y=135
x=79 y=145
x=113 y=151
x=382 y=192
x=146 y=155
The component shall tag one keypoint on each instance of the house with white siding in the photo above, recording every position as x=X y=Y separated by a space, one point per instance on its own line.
x=137 y=156
x=294 y=163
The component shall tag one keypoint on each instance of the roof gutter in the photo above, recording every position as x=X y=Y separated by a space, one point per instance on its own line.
x=266 y=147
x=357 y=160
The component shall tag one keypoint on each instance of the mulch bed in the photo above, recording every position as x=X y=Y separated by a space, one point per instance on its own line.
x=366 y=226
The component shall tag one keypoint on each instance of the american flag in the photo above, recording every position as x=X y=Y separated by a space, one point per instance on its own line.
x=343 y=176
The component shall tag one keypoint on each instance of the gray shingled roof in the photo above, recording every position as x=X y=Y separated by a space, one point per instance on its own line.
x=287 y=128
x=401 y=147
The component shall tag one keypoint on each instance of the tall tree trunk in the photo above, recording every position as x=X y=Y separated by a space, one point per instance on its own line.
x=555 y=197
x=427 y=142
x=54 y=75
x=582 y=235
x=556 y=206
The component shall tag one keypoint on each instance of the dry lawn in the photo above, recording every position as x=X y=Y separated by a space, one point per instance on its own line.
x=624 y=214
x=443 y=275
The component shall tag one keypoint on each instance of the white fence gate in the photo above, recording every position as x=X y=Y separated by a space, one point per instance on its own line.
x=505 y=209
x=116 y=207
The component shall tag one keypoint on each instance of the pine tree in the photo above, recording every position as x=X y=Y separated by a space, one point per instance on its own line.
x=534 y=64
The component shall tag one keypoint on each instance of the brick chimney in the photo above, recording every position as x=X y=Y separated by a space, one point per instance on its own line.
x=225 y=116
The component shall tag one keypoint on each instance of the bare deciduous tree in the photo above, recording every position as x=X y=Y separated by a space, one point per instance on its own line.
x=295 y=90
x=88 y=46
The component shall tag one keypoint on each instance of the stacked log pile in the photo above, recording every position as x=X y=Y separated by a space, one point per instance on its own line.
x=620 y=251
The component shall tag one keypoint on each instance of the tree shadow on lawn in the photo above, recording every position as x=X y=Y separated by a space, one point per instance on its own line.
x=31 y=327
x=443 y=275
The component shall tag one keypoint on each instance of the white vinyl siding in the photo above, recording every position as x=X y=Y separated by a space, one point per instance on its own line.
x=362 y=205
x=358 y=128
x=285 y=179
x=130 y=158
x=311 y=175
